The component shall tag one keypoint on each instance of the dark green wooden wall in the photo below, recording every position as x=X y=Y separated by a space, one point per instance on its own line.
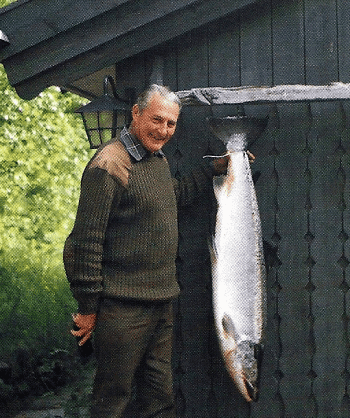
x=303 y=193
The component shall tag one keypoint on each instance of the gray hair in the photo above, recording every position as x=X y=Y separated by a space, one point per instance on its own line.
x=145 y=97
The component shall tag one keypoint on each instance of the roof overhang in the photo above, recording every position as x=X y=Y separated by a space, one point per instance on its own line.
x=70 y=40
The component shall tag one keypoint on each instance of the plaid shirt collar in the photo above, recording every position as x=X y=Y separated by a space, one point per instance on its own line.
x=134 y=146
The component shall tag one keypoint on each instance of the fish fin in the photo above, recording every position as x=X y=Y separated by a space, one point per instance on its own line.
x=258 y=352
x=218 y=182
x=251 y=391
x=228 y=326
x=212 y=249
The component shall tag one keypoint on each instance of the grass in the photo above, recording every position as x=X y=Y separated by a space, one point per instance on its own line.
x=35 y=318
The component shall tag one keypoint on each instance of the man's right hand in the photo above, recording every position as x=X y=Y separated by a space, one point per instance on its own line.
x=86 y=325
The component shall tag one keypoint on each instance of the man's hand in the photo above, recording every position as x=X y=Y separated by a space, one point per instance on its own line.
x=86 y=325
x=251 y=157
x=220 y=164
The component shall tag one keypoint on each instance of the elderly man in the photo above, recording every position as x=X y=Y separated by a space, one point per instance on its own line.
x=120 y=258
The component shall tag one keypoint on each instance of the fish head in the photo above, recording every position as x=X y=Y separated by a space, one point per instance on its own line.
x=243 y=359
x=243 y=365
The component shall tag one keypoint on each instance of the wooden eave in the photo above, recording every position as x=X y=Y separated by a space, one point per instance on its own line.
x=59 y=42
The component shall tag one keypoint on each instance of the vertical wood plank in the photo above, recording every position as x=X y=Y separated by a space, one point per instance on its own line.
x=256 y=50
x=193 y=72
x=293 y=300
x=327 y=299
x=131 y=73
x=170 y=66
x=194 y=274
x=343 y=237
x=343 y=14
x=290 y=167
x=224 y=52
x=321 y=47
x=288 y=42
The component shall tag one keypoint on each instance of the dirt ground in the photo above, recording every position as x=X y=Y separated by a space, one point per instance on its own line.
x=69 y=402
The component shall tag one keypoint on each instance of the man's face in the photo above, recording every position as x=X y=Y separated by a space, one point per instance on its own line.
x=156 y=124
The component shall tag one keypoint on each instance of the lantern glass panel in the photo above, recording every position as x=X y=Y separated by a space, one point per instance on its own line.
x=105 y=119
x=106 y=135
x=90 y=119
x=94 y=136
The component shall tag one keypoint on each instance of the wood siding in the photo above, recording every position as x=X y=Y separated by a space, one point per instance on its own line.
x=303 y=193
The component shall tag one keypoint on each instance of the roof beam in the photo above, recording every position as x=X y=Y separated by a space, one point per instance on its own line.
x=109 y=38
x=260 y=95
x=87 y=37
x=29 y=22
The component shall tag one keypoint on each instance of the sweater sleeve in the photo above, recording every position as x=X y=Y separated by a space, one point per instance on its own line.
x=188 y=188
x=83 y=249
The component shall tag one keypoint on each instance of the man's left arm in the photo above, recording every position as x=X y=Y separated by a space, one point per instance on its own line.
x=188 y=188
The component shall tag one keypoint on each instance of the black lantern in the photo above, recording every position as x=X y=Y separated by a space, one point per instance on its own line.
x=105 y=116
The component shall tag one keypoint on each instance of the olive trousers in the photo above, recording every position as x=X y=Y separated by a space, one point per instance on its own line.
x=133 y=345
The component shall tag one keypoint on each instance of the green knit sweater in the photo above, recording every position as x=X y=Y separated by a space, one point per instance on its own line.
x=124 y=240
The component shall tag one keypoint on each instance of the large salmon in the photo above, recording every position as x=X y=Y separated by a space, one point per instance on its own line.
x=239 y=296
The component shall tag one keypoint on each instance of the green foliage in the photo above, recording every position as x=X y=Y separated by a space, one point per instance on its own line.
x=43 y=151
x=4 y=3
